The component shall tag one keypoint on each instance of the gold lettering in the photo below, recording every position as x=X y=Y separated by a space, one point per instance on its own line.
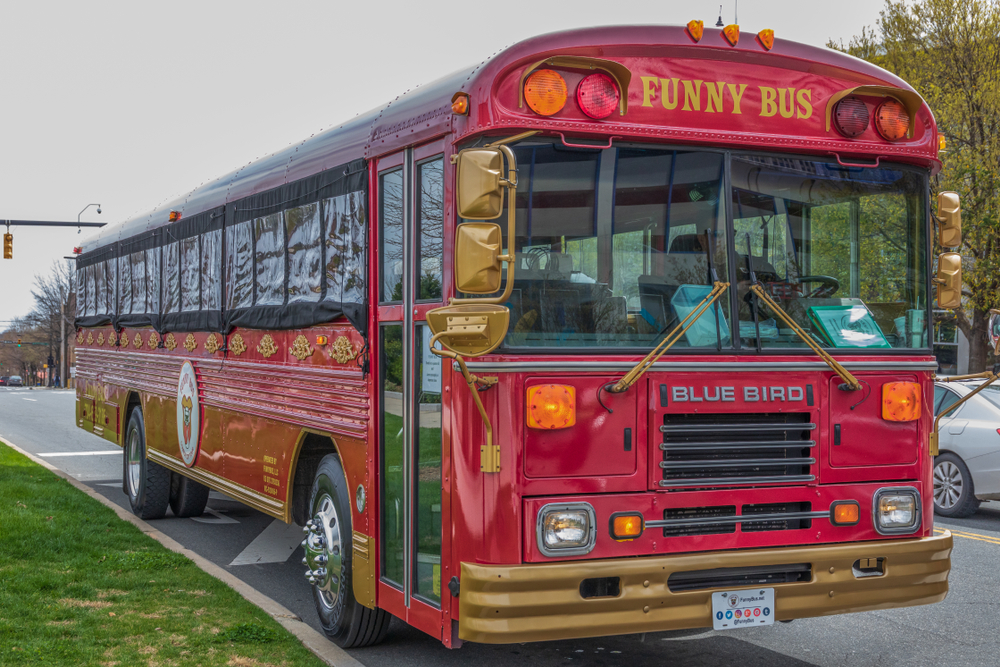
x=270 y=459
x=768 y=106
x=648 y=90
x=804 y=98
x=737 y=96
x=790 y=111
x=665 y=97
x=714 y=102
x=270 y=491
x=692 y=92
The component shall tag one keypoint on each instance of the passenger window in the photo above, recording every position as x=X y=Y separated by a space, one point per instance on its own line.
x=302 y=226
x=111 y=283
x=239 y=266
x=171 y=278
x=346 y=247
x=430 y=229
x=391 y=239
x=153 y=280
x=211 y=265
x=100 y=304
x=190 y=275
x=270 y=260
x=125 y=285
x=137 y=262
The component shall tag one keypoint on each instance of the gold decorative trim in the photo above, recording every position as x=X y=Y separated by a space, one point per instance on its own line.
x=212 y=344
x=300 y=348
x=137 y=341
x=236 y=345
x=100 y=338
x=342 y=350
x=154 y=341
x=190 y=343
x=90 y=338
x=112 y=338
x=170 y=343
x=79 y=337
x=267 y=346
x=123 y=341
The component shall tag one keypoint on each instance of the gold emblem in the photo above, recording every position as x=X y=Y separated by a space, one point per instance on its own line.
x=267 y=346
x=100 y=338
x=112 y=338
x=236 y=345
x=137 y=341
x=300 y=348
x=342 y=350
x=154 y=341
x=212 y=344
x=79 y=338
x=90 y=338
x=190 y=343
x=123 y=340
x=170 y=343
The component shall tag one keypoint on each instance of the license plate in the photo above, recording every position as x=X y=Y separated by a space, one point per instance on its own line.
x=743 y=609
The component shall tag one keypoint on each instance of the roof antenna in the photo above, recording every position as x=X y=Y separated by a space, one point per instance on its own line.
x=719 y=23
x=736 y=12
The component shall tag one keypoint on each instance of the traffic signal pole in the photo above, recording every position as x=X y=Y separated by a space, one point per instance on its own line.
x=8 y=238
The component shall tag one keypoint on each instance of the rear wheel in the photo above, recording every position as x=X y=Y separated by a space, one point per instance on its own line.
x=187 y=497
x=954 y=494
x=329 y=552
x=147 y=484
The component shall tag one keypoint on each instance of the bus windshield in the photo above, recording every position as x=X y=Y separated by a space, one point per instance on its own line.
x=615 y=246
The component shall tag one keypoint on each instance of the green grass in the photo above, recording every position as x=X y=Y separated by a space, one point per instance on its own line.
x=79 y=586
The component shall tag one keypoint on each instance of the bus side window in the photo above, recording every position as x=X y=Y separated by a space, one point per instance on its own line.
x=302 y=226
x=171 y=278
x=269 y=262
x=239 y=266
x=345 y=222
x=153 y=280
x=190 y=275
x=137 y=262
x=211 y=261
x=124 y=285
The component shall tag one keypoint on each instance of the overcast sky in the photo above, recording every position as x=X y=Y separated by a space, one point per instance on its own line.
x=128 y=104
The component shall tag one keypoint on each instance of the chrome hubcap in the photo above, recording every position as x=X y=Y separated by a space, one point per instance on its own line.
x=323 y=551
x=134 y=453
x=948 y=484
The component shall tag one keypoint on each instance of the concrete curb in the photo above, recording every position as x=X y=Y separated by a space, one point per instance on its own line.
x=322 y=647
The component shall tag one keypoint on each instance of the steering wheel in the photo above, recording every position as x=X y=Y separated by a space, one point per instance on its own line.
x=828 y=286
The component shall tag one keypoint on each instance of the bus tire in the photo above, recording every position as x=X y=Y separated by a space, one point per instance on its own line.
x=329 y=551
x=147 y=484
x=187 y=497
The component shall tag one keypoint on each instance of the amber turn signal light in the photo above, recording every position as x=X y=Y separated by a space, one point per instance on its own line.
x=460 y=104
x=626 y=526
x=695 y=30
x=545 y=92
x=892 y=120
x=732 y=34
x=175 y=216
x=845 y=513
x=551 y=406
x=900 y=401
x=766 y=37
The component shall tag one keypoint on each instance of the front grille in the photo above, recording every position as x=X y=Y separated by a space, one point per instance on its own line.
x=733 y=577
x=689 y=521
x=772 y=523
x=715 y=450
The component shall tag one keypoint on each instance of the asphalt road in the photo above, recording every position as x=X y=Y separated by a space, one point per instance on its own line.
x=960 y=631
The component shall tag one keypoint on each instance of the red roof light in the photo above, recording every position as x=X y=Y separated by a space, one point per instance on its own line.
x=850 y=117
x=598 y=95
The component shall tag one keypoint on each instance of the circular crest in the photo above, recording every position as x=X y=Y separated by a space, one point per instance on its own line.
x=188 y=415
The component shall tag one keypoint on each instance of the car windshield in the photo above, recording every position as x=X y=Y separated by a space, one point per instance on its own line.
x=992 y=394
x=615 y=246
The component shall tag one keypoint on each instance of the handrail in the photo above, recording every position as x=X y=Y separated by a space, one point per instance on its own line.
x=845 y=375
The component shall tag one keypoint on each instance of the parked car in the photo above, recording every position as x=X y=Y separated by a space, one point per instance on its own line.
x=15 y=381
x=967 y=469
x=3 y=380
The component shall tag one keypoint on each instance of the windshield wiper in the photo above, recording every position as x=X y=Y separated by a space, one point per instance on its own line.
x=850 y=381
x=633 y=375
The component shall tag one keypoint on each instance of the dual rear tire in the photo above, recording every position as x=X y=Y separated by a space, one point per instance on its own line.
x=150 y=487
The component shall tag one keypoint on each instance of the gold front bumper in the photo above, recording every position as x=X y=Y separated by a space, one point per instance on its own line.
x=502 y=604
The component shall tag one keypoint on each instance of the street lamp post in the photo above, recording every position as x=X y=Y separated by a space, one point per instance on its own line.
x=78 y=229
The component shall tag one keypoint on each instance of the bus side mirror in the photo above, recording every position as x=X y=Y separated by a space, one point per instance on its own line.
x=469 y=330
x=477 y=257
x=480 y=192
x=949 y=280
x=949 y=219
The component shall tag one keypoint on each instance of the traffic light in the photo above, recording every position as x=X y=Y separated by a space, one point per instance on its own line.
x=19 y=342
x=8 y=246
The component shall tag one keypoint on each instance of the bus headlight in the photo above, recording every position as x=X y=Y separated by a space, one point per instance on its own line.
x=567 y=529
x=896 y=510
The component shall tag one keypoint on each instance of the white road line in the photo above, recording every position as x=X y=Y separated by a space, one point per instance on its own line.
x=278 y=541
x=29 y=399
x=216 y=517
x=100 y=453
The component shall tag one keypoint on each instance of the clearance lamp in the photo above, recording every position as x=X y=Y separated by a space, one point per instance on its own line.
x=901 y=401
x=551 y=406
x=545 y=92
x=695 y=29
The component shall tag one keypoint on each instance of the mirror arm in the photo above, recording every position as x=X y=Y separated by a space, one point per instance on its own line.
x=933 y=444
x=470 y=379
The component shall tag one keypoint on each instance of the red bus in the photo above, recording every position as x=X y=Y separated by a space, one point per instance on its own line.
x=685 y=381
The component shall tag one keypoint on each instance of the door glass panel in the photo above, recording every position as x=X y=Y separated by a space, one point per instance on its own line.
x=391 y=215
x=427 y=445
x=430 y=228
x=392 y=453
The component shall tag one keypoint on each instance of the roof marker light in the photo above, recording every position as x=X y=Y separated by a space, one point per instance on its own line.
x=695 y=30
x=732 y=34
x=850 y=117
x=766 y=37
x=597 y=95
x=545 y=92
x=460 y=104
x=892 y=120
x=175 y=216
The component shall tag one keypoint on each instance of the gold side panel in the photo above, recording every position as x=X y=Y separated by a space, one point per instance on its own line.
x=502 y=604
x=364 y=570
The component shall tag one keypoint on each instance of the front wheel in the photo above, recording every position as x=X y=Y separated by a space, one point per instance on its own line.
x=147 y=484
x=954 y=494
x=329 y=552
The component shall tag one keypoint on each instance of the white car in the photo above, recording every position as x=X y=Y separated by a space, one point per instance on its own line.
x=967 y=469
